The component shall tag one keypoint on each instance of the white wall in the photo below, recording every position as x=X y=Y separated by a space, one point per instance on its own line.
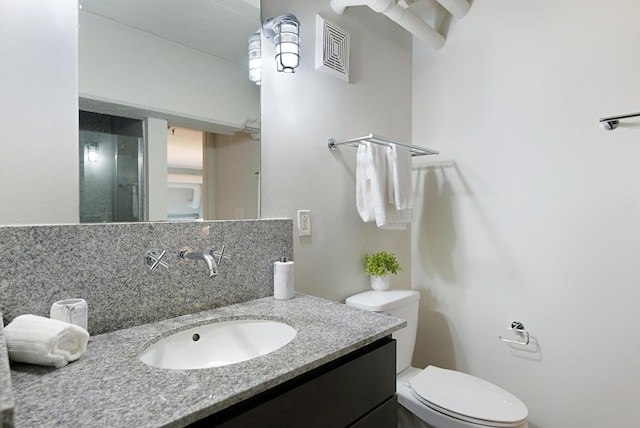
x=301 y=112
x=133 y=68
x=39 y=112
x=538 y=219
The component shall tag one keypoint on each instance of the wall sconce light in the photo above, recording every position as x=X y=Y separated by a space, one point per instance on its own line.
x=93 y=152
x=284 y=31
x=255 y=58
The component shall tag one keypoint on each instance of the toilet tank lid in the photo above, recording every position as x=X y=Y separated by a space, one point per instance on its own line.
x=379 y=301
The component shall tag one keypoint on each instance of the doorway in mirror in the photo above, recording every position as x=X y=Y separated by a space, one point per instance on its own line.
x=212 y=176
x=184 y=173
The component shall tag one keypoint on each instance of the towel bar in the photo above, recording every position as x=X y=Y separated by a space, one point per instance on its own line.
x=518 y=327
x=383 y=141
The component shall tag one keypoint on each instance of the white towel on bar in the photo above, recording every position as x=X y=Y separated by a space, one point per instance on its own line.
x=399 y=177
x=367 y=183
x=372 y=189
x=38 y=340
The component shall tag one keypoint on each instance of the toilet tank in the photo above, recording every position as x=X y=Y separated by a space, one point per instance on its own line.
x=398 y=303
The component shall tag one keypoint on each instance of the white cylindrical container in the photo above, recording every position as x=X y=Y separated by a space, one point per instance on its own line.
x=74 y=311
x=283 y=278
x=380 y=283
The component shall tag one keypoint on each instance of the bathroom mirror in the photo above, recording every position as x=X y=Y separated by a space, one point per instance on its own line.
x=182 y=64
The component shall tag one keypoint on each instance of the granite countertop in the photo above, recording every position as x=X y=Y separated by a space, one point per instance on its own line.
x=109 y=386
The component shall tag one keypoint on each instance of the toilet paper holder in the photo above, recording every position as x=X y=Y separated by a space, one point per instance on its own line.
x=517 y=327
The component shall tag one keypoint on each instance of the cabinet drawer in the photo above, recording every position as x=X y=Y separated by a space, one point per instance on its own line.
x=384 y=416
x=338 y=394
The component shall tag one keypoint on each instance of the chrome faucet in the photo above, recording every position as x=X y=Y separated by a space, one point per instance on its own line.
x=187 y=255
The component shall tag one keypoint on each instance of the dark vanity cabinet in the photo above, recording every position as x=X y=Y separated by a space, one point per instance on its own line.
x=357 y=390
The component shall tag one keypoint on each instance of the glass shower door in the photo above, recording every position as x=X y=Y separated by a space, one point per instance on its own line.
x=111 y=169
x=127 y=188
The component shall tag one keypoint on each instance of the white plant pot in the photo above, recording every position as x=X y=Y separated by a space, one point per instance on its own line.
x=380 y=283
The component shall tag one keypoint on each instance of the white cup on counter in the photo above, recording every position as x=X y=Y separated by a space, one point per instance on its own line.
x=74 y=311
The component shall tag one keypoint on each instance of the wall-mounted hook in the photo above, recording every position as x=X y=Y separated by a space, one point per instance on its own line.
x=517 y=327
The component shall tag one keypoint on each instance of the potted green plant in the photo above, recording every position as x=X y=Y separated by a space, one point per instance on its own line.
x=379 y=265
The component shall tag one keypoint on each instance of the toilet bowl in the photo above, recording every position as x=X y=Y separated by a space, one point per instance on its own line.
x=434 y=397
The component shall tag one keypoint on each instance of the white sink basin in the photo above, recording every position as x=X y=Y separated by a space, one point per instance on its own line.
x=218 y=344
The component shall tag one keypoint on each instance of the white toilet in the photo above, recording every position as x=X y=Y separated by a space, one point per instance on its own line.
x=435 y=397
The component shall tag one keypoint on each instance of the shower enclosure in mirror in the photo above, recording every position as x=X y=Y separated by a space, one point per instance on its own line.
x=111 y=173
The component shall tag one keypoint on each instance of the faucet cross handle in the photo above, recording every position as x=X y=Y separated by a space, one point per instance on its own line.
x=218 y=254
x=154 y=258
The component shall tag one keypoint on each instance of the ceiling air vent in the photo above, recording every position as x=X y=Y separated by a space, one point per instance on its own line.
x=332 y=49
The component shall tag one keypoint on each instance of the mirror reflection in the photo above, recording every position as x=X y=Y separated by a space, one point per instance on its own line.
x=228 y=164
x=111 y=159
x=174 y=76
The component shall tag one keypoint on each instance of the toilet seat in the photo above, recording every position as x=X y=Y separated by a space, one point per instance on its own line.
x=467 y=398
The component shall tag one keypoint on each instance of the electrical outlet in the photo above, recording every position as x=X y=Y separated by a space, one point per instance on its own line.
x=304 y=223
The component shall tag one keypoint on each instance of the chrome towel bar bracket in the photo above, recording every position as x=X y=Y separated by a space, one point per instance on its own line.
x=612 y=122
x=518 y=328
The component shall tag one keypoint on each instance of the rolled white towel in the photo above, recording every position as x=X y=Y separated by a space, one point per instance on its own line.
x=38 y=340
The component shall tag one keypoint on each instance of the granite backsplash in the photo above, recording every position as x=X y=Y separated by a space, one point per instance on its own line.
x=104 y=264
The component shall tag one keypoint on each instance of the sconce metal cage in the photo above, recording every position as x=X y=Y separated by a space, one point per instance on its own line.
x=255 y=57
x=93 y=152
x=284 y=31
